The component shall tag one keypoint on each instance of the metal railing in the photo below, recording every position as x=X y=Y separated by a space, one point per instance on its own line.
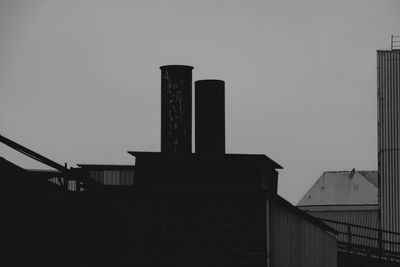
x=366 y=241
x=395 y=42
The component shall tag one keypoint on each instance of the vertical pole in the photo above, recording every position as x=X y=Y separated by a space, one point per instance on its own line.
x=380 y=124
x=268 y=233
x=349 y=237
x=65 y=177
x=380 y=242
x=391 y=42
x=77 y=182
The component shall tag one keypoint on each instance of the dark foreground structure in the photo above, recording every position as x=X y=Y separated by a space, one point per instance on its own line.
x=173 y=208
x=160 y=224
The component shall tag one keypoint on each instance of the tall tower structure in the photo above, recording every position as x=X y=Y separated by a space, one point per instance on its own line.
x=388 y=78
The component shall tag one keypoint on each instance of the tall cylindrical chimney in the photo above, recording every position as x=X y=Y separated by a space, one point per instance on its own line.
x=176 y=109
x=210 y=117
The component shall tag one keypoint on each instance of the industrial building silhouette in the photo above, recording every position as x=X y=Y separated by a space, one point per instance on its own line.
x=173 y=208
x=177 y=207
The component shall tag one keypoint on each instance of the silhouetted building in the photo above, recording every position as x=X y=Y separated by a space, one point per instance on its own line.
x=173 y=208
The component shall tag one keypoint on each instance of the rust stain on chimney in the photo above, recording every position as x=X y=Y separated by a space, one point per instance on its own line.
x=176 y=109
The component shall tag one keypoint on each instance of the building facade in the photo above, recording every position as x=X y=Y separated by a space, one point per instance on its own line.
x=346 y=198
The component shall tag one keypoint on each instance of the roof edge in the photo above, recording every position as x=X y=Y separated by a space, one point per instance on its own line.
x=194 y=155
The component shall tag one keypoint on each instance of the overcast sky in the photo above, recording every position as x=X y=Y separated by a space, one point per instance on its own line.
x=80 y=79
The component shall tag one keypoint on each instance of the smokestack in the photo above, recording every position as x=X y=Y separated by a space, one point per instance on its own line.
x=210 y=117
x=176 y=109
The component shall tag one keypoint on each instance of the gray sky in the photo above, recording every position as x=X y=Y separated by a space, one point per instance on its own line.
x=80 y=80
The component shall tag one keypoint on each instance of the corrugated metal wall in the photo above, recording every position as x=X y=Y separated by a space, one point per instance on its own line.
x=123 y=176
x=367 y=218
x=389 y=140
x=297 y=242
x=113 y=177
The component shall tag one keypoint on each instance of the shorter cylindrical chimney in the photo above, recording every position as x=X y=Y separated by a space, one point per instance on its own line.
x=176 y=109
x=210 y=117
